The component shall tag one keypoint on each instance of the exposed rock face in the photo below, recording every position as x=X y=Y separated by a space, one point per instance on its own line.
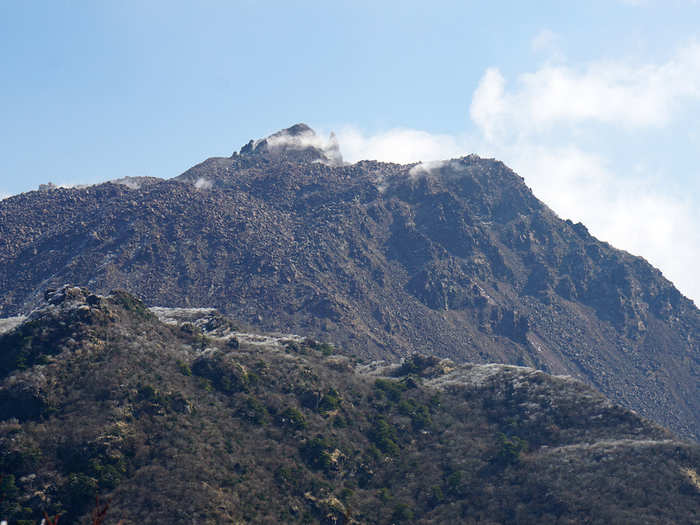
x=456 y=259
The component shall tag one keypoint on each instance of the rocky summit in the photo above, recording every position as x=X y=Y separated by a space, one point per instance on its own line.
x=182 y=415
x=456 y=259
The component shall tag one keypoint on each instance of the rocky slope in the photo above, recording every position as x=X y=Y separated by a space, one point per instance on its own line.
x=182 y=415
x=456 y=259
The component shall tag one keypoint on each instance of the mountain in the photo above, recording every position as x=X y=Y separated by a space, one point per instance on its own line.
x=455 y=259
x=184 y=415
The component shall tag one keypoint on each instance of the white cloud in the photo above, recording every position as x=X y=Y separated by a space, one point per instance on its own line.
x=609 y=92
x=399 y=145
x=3 y=195
x=489 y=105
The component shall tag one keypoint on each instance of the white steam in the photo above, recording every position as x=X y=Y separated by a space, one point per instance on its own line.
x=433 y=168
x=304 y=140
x=300 y=141
x=133 y=183
x=65 y=185
x=203 y=184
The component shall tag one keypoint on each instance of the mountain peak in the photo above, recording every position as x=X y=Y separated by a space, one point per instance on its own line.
x=296 y=130
x=298 y=143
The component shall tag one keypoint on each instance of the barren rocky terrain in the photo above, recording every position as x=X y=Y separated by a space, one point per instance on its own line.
x=455 y=259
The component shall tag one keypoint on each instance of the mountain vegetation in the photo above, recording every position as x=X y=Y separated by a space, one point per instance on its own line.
x=183 y=415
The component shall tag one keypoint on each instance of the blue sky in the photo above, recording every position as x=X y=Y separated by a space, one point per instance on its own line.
x=595 y=103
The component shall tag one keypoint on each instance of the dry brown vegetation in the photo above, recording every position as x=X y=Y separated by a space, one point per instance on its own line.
x=174 y=423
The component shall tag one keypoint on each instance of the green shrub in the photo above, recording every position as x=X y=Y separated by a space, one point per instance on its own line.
x=340 y=422
x=329 y=402
x=80 y=490
x=390 y=389
x=292 y=418
x=385 y=495
x=225 y=376
x=148 y=393
x=288 y=476
x=510 y=449
x=293 y=346
x=254 y=411
x=325 y=348
x=131 y=304
x=316 y=453
x=436 y=496
x=402 y=512
x=8 y=491
x=383 y=435
x=453 y=483
x=416 y=364
x=184 y=368
x=419 y=414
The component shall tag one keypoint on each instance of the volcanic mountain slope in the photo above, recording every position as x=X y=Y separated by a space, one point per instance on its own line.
x=177 y=416
x=455 y=259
